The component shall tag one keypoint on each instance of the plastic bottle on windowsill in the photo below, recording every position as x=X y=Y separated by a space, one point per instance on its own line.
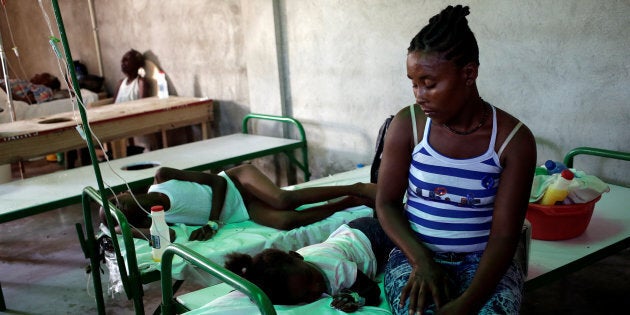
x=162 y=85
x=160 y=237
x=558 y=190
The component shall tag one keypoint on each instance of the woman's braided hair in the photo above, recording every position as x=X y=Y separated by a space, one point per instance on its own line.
x=449 y=35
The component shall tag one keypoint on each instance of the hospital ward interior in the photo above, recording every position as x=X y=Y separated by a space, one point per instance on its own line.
x=105 y=101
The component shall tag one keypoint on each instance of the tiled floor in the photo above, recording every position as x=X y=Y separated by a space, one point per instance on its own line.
x=42 y=272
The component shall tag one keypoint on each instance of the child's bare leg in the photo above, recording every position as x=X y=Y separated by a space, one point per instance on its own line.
x=253 y=184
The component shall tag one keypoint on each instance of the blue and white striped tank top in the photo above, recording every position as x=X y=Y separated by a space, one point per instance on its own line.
x=450 y=201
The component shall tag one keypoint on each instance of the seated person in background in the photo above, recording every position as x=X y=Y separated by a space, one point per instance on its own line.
x=343 y=266
x=41 y=88
x=132 y=86
x=238 y=194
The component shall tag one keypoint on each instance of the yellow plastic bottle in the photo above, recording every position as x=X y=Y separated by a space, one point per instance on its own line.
x=558 y=190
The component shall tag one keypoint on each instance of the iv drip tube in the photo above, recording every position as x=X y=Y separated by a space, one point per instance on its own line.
x=5 y=74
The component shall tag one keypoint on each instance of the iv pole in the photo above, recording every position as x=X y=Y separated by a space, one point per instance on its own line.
x=90 y=242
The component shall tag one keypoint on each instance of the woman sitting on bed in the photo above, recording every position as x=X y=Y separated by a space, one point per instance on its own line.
x=238 y=194
x=343 y=266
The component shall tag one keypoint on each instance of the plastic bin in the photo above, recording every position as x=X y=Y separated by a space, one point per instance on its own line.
x=559 y=222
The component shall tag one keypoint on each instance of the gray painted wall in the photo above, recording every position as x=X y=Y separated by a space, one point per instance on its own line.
x=560 y=66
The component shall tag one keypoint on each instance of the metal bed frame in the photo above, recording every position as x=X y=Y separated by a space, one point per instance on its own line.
x=132 y=277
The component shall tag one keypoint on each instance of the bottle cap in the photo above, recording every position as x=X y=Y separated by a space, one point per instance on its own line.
x=157 y=208
x=550 y=165
x=566 y=174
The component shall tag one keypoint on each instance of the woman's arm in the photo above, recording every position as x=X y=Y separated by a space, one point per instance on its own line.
x=519 y=162
x=427 y=278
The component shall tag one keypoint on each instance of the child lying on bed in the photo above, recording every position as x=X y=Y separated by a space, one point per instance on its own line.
x=238 y=194
x=343 y=266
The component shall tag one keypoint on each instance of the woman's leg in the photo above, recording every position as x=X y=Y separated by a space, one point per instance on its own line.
x=397 y=271
x=508 y=293
x=255 y=186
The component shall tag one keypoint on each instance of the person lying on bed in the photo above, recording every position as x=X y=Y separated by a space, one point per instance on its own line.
x=41 y=88
x=343 y=266
x=238 y=194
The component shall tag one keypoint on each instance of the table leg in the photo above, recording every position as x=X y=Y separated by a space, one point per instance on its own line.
x=119 y=148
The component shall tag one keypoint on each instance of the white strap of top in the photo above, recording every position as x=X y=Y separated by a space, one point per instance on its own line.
x=509 y=137
x=413 y=125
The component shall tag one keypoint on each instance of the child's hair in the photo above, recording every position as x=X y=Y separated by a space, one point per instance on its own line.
x=266 y=270
x=448 y=33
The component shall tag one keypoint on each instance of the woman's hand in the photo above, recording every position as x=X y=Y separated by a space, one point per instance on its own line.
x=424 y=285
x=203 y=233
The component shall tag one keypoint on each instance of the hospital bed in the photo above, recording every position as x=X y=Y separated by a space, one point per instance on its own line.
x=22 y=198
x=25 y=111
x=547 y=260
x=203 y=155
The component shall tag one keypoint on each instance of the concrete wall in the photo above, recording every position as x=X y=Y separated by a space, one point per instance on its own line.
x=561 y=66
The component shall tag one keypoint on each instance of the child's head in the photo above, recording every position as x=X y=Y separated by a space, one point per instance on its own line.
x=285 y=277
x=130 y=208
x=46 y=79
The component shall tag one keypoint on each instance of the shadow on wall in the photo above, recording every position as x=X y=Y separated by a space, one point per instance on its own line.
x=152 y=67
x=548 y=150
x=228 y=117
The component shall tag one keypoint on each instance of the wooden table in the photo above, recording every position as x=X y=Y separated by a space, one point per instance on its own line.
x=26 y=139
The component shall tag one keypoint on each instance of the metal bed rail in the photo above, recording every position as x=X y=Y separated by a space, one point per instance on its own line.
x=169 y=306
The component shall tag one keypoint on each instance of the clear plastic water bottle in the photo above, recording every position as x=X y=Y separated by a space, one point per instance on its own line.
x=554 y=167
x=558 y=190
x=160 y=237
x=162 y=85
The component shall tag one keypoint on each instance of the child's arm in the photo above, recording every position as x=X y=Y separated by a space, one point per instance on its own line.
x=364 y=291
x=139 y=229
